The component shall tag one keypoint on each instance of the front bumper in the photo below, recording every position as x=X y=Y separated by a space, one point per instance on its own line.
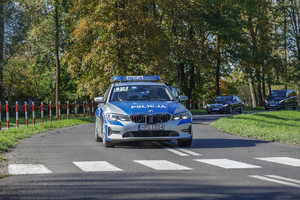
x=221 y=109
x=274 y=106
x=129 y=131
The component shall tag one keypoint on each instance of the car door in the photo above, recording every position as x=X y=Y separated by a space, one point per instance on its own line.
x=100 y=109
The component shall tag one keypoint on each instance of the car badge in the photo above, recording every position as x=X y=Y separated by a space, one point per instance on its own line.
x=151 y=120
x=150 y=111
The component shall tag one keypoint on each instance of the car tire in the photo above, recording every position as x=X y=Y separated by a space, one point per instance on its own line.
x=266 y=108
x=286 y=107
x=230 y=110
x=295 y=107
x=184 y=142
x=242 y=109
x=105 y=142
x=97 y=138
x=208 y=112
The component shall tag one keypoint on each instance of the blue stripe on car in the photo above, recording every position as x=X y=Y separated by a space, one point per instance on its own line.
x=185 y=121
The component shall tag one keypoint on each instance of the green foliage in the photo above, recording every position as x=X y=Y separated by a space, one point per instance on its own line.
x=197 y=45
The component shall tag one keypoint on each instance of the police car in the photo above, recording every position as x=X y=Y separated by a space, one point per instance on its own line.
x=139 y=108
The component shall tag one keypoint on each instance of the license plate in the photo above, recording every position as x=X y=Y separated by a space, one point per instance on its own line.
x=215 y=109
x=152 y=127
x=272 y=105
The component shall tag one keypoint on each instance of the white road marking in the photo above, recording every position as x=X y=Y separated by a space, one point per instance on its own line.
x=176 y=151
x=96 y=166
x=189 y=152
x=162 y=165
x=17 y=169
x=227 y=164
x=284 y=179
x=275 y=181
x=283 y=160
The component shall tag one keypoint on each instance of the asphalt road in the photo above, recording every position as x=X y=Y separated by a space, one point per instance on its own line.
x=68 y=164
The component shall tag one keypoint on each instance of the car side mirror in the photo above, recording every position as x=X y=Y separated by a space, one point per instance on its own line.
x=182 y=98
x=99 y=100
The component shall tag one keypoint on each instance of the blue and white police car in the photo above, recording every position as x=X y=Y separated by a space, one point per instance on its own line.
x=140 y=108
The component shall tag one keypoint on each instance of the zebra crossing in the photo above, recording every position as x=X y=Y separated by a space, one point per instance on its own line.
x=104 y=166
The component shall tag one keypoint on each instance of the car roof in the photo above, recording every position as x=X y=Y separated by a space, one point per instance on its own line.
x=138 y=83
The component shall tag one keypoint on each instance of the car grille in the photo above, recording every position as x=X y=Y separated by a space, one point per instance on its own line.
x=150 y=119
x=216 y=105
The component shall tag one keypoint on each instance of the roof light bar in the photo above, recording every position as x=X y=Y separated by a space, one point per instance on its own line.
x=136 y=78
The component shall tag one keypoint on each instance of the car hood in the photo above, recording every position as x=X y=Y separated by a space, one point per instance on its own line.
x=275 y=98
x=129 y=107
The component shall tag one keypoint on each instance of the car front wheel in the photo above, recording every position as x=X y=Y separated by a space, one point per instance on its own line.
x=230 y=110
x=184 y=142
x=242 y=109
x=97 y=138
x=106 y=143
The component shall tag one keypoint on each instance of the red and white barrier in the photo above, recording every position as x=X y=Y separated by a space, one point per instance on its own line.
x=33 y=114
x=93 y=111
x=17 y=114
x=59 y=117
x=84 y=109
x=68 y=110
x=7 y=114
x=190 y=104
x=198 y=103
x=76 y=109
x=17 y=106
x=42 y=112
x=0 y=115
x=26 y=114
x=50 y=111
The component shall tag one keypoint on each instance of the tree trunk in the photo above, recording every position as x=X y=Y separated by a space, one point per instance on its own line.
x=57 y=93
x=218 y=67
x=1 y=50
x=254 y=102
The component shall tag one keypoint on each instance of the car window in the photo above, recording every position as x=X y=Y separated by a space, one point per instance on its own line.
x=278 y=93
x=292 y=94
x=141 y=93
x=224 y=98
x=106 y=93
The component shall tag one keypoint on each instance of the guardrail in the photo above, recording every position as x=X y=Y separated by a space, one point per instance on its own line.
x=31 y=108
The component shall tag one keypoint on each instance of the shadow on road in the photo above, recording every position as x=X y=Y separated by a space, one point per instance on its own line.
x=225 y=143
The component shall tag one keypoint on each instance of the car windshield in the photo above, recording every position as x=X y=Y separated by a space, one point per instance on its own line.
x=224 y=98
x=141 y=93
x=278 y=93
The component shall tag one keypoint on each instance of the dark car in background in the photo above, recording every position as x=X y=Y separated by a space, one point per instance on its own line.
x=226 y=104
x=282 y=99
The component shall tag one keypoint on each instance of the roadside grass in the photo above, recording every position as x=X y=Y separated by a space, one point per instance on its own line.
x=12 y=136
x=279 y=126
x=198 y=111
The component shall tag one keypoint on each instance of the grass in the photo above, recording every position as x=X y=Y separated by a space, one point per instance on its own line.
x=279 y=126
x=12 y=136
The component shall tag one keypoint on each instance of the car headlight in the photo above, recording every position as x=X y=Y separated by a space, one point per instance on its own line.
x=117 y=117
x=266 y=101
x=225 y=105
x=281 y=101
x=207 y=105
x=185 y=115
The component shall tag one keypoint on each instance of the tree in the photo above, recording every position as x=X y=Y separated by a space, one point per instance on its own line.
x=1 y=49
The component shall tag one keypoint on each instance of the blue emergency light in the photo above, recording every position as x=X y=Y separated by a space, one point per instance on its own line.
x=135 y=78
